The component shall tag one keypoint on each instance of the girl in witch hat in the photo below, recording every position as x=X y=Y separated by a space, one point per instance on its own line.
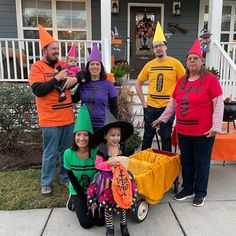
x=112 y=186
x=79 y=161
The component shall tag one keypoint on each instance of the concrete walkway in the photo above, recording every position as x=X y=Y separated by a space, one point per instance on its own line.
x=168 y=218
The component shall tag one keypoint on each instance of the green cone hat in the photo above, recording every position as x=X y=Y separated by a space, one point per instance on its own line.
x=83 y=121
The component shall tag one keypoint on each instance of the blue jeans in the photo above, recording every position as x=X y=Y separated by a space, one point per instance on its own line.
x=195 y=160
x=55 y=141
x=151 y=114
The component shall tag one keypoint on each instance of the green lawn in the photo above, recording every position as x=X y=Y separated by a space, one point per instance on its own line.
x=21 y=190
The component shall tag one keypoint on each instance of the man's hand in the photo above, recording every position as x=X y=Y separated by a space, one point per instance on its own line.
x=156 y=123
x=61 y=75
x=70 y=82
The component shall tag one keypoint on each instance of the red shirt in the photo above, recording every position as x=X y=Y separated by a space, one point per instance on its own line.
x=194 y=108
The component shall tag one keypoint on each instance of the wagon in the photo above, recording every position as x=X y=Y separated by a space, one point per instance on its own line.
x=154 y=172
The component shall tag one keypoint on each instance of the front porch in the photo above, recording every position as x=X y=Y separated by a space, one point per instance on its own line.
x=17 y=56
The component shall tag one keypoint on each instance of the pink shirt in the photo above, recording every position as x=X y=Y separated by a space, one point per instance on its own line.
x=194 y=106
x=72 y=70
x=100 y=164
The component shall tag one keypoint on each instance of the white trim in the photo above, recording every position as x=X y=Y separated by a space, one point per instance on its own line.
x=128 y=22
x=19 y=19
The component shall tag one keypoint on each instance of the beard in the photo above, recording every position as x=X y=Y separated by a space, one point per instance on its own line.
x=160 y=55
x=51 y=60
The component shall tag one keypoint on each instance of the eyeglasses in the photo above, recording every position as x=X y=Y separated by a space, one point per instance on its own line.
x=193 y=58
x=159 y=45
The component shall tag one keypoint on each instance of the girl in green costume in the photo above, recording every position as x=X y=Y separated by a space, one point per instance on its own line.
x=79 y=161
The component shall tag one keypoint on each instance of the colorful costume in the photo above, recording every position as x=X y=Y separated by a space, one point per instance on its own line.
x=80 y=172
x=101 y=188
x=112 y=190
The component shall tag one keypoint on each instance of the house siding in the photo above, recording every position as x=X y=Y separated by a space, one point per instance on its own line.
x=8 y=25
x=178 y=43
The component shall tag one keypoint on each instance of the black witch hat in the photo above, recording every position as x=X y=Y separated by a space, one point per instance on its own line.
x=127 y=128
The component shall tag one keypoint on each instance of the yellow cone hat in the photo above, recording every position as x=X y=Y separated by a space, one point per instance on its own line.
x=159 y=35
x=45 y=37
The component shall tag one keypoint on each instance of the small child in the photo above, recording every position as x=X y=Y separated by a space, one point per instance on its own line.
x=73 y=71
x=107 y=160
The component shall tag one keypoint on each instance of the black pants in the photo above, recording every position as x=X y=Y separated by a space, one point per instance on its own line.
x=151 y=114
x=86 y=218
x=195 y=161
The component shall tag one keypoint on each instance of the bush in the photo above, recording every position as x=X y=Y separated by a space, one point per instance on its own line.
x=17 y=114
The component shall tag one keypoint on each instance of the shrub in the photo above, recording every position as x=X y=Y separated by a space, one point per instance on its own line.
x=17 y=114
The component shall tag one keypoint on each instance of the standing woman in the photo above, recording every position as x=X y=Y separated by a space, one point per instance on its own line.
x=79 y=161
x=199 y=106
x=97 y=92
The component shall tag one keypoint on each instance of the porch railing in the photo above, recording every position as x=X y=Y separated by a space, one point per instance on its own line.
x=224 y=62
x=17 y=56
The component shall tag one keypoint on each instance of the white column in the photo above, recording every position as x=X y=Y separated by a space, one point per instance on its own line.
x=106 y=33
x=214 y=25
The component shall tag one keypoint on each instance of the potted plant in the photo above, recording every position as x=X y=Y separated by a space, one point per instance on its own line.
x=121 y=71
x=126 y=113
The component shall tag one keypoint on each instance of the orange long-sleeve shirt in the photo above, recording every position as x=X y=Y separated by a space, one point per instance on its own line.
x=51 y=112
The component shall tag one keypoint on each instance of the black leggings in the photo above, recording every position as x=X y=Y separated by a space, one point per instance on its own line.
x=86 y=218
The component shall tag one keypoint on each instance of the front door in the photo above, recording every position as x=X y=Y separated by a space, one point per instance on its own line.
x=142 y=28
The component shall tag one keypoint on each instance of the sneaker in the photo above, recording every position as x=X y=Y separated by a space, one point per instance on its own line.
x=198 y=201
x=182 y=196
x=70 y=204
x=46 y=190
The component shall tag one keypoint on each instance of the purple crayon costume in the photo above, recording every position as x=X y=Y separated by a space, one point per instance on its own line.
x=96 y=95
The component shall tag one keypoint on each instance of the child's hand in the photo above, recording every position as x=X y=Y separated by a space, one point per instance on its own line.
x=114 y=161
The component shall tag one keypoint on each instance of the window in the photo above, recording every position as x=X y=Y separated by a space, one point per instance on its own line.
x=63 y=19
x=228 y=22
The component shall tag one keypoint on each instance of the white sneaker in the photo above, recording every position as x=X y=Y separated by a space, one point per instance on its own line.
x=46 y=190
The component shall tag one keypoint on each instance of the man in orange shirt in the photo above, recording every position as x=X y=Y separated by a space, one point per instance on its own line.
x=56 y=119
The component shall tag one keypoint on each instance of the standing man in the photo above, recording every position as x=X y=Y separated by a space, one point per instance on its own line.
x=162 y=74
x=56 y=119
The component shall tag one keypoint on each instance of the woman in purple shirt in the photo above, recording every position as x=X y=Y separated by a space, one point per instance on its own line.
x=97 y=92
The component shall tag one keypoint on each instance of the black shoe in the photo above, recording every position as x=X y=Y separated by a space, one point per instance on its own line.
x=70 y=204
x=198 y=201
x=110 y=232
x=124 y=230
x=182 y=196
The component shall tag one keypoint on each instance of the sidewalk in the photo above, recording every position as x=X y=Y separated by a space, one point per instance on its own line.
x=168 y=218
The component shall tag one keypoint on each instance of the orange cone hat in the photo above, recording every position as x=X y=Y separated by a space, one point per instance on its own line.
x=196 y=48
x=45 y=37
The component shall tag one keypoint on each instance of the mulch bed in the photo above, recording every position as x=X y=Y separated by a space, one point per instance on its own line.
x=26 y=155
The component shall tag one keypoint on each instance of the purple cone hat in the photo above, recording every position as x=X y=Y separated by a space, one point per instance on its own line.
x=95 y=54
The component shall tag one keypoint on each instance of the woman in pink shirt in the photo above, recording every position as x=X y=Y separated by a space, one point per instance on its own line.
x=198 y=103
